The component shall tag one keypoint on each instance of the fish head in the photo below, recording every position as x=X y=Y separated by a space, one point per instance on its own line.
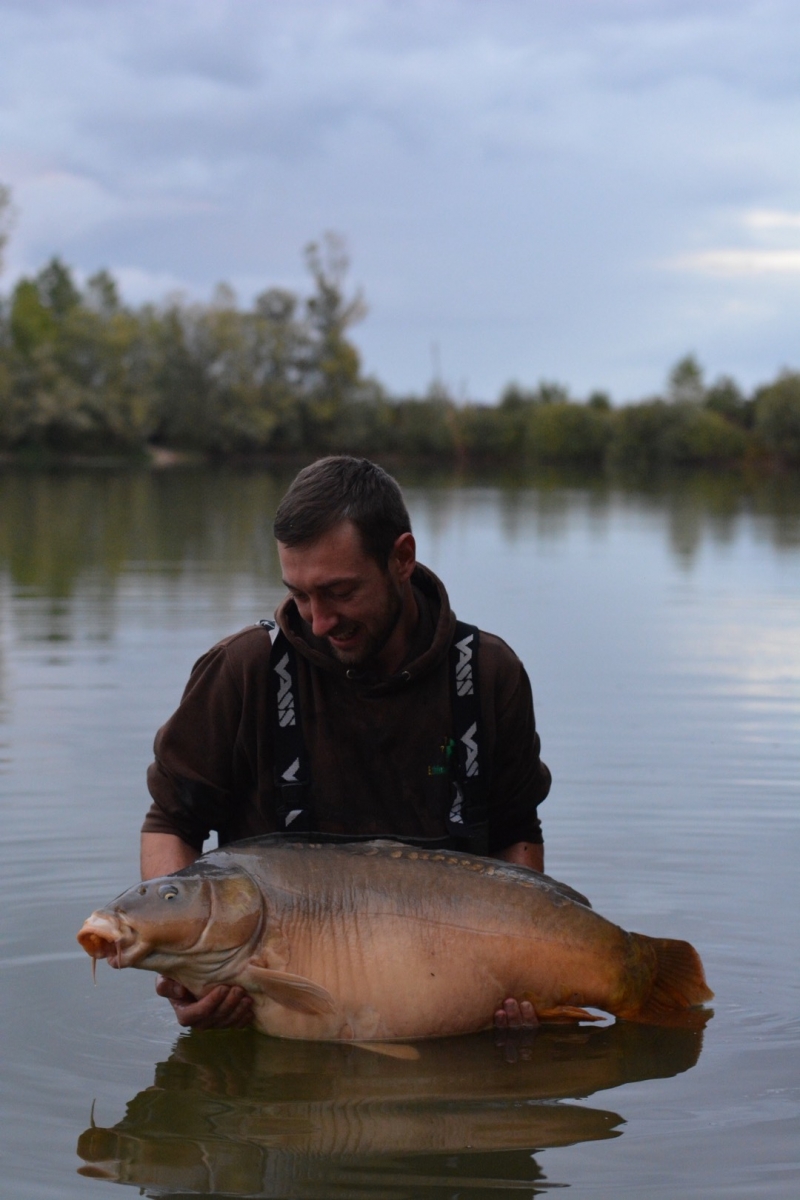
x=199 y=918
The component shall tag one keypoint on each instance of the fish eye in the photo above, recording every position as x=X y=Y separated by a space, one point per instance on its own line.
x=168 y=891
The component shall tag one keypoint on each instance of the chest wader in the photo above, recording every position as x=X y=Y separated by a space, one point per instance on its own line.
x=467 y=816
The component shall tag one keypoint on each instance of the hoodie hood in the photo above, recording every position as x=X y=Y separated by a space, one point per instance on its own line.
x=427 y=646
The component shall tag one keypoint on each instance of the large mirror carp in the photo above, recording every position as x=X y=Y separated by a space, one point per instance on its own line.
x=379 y=941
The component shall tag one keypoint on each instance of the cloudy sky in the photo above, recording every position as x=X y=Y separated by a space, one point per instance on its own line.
x=574 y=190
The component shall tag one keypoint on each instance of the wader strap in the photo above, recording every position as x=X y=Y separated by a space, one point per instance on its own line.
x=468 y=819
x=292 y=769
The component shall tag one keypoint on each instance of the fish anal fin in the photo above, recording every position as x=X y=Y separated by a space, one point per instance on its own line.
x=391 y=1050
x=562 y=1013
x=292 y=991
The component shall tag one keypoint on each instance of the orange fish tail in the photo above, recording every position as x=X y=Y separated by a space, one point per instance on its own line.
x=677 y=981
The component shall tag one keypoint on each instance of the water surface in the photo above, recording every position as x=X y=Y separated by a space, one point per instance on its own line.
x=662 y=636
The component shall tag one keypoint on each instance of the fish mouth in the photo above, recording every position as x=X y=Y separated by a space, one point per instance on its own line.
x=105 y=935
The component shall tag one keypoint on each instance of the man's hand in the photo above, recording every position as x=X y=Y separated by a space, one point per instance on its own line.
x=516 y=1016
x=513 y=1015
x=515 y=1026
x=523 y=854
x=222 y=1008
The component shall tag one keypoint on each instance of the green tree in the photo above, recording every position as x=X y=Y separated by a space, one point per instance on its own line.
x=332 y=361
x=685 y=381
x=568 y=434
x=280 y=352
x=655 y=435
x=777 y=416
x=547 y=392
x=706 y=438
x=57 y=288
x=600 y=401
x=6 y=219
x=31 y=323
x=102 y=294
x=725 y=397
x=79 y=380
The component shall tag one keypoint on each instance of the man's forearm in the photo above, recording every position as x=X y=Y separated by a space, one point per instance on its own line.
x=524 y=854
x=163 y=853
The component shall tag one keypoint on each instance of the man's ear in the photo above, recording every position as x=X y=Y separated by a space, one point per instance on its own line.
x=403 y=558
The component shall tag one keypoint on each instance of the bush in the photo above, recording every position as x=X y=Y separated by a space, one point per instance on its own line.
x=707 y=437
x=642 y=434
x=725 y=397
x=425 y=428
x=777 y=416
x=656 y=435
x=568 y=434
x=495 y=433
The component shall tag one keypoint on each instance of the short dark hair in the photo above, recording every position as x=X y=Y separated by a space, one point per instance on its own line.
x=341 y=488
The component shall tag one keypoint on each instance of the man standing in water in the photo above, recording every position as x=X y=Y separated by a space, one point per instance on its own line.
x=369 y=712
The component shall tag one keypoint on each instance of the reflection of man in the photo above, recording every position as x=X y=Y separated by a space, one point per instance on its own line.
x=360 y=719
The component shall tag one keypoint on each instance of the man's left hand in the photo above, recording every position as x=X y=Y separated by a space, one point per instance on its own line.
x=515 y=1016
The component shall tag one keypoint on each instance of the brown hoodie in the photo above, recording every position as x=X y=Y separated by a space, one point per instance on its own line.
x=371 y=741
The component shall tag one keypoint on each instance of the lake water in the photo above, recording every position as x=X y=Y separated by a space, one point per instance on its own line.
x=661 y=630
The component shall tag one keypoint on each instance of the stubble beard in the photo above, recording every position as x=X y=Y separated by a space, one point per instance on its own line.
x=376 y=639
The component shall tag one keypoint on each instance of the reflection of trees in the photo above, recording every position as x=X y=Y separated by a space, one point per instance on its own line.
x=713 y=505
x=3 y=686
x=777 y=503
x=240 y=1114
x=70 y=541
x=59 y=528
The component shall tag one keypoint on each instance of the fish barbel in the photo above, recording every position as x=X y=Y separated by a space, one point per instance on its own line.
x=380 y=941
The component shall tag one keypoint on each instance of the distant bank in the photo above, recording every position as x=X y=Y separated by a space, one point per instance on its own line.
x=84 y=376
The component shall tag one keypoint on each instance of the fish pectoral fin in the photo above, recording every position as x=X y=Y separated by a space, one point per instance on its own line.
x=562 y=1013
x=292 y=991
x=391 y=1050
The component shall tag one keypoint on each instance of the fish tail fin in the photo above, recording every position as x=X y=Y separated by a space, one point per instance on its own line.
x=677 y=982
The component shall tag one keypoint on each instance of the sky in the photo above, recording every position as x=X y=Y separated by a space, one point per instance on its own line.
x=578 y=191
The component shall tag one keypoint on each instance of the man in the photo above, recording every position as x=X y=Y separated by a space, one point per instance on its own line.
x=344 y=722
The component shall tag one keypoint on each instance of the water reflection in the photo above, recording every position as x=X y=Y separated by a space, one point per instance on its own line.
x=237 y=1114
x=58 y=528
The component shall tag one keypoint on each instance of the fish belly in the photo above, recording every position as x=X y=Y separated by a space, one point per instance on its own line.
x=402 y=976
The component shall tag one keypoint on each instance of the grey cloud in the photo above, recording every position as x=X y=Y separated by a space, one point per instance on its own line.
x=510 y=175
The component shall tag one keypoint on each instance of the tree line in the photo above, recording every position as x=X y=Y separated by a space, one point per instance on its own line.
x=82 y=373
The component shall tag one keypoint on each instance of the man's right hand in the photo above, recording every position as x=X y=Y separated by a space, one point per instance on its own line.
x=222 y=1008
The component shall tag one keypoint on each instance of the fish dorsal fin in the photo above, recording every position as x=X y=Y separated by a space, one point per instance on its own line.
x=292 y=991
x=528 y=874
x=565 y=890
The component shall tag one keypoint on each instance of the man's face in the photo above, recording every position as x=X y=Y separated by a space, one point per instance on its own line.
x=343 y=594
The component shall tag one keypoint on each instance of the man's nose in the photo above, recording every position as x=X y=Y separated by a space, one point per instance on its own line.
x=323 y=618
